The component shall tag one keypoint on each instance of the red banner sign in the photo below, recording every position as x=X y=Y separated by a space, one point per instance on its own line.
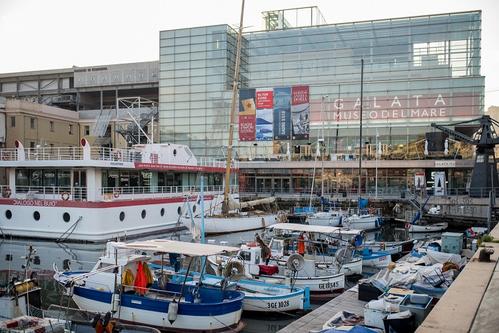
x=264 y=99
x=247 y=125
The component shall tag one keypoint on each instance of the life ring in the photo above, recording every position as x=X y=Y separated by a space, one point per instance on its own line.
x=408 y=226
x=6 y=193
x=116 y=193
x=65 y=196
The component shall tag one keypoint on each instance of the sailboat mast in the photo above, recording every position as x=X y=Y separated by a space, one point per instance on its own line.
x=360 y=122
x=225 y=206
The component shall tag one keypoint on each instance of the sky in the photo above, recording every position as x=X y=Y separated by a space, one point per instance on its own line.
x=50 y=34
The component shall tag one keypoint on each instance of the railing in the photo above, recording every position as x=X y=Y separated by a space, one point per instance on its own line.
x=105 y=193
x=96 y=153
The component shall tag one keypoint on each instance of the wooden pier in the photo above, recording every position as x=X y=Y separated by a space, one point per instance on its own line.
x=313 y=321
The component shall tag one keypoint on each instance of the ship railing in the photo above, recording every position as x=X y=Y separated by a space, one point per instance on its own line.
x=46 y=192
x=53 y=153
x=215 y=163
x=8 y=154
x=115 y=154
x=145 y=192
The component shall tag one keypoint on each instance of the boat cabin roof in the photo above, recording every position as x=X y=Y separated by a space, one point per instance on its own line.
x=314 y=229
x=179 y=247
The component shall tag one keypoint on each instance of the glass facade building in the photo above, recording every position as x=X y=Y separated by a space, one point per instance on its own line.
x=417 y=70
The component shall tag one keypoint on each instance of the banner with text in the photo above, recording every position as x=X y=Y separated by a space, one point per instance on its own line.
x=282 y=113
x=264 y=114
x=300 y=108
x=247 y=115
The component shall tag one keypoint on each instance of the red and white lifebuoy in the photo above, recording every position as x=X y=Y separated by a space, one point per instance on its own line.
x=6 y=192
x=408 y=226
x=116 y=193
x=65 y=196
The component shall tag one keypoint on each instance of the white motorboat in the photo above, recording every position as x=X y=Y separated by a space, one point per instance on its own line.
x=433 y=227
x=364 y=221
x=332 y=218
x=120 y=284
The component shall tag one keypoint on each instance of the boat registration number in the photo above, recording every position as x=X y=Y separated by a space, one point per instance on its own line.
x=329 y=285
x=278 y=305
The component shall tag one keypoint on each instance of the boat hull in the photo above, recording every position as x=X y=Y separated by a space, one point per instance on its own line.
x=428 y=228
x=377 y=259
x=325 y=219
x=139 y=310
x=328 y=284
x=362 y=223
x=223 y=225
x=92 y=221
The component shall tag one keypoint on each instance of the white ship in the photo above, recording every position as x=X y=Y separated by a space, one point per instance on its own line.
x=96 y=194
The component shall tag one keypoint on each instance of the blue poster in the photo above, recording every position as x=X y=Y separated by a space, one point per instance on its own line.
x=282 y=113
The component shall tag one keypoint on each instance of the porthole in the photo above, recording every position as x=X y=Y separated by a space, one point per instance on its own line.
x=174 y=152
x=36 y=215
x=179 y=210
x=143 y=214
x=162 y=212
x=122 y=216
x=8 y=214
x=194 y=208
x=66 y=217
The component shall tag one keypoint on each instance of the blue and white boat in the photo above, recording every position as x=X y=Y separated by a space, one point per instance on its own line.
x=265 y=297
x=113 y=286
x=378 y=259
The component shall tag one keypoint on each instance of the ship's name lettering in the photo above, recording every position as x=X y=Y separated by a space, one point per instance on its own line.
x=278 y=305
x=329 y=285
x=28 y=202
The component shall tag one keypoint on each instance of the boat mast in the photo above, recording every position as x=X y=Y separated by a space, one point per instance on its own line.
x=360 y=123
x=225 y=205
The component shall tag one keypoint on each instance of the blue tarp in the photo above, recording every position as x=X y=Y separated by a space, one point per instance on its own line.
x=363 y=203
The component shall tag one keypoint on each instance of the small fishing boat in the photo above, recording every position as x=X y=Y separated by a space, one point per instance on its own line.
x=122 y=284
x=29 y=324
x=264 y=297
x=378 y=259
x=433 y=227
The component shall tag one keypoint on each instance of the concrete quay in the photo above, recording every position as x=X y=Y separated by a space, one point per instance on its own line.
x=471 y=302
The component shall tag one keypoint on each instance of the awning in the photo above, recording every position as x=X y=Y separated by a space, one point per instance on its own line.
x=173 y=246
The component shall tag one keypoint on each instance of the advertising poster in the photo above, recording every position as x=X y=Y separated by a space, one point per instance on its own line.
x=439 y=185
x=282 y=113
x=247 y=115
x=300 y=110
x=264 y=114
x=419 y=181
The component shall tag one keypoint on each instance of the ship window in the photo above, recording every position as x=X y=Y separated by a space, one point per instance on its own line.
x=143 y=214
x=194 y=208
x=122 y=216
x=179 y=210
x=8 y=214
x=174 y=152
x=162 y=212
x=246 y=255
x=66 y=217
x=36 y=215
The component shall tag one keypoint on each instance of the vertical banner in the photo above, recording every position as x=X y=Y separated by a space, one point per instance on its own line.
x=282 y=113
x=264 y=114
x=300 y=110
x=420 y=180
x=439 y=185
x=247 y=115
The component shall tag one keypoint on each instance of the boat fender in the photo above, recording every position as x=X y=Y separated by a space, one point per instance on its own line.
x=65 y=196
x=172 y=312
x=6 y=192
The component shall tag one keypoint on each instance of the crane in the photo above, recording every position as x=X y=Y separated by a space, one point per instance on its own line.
x=484 y=175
